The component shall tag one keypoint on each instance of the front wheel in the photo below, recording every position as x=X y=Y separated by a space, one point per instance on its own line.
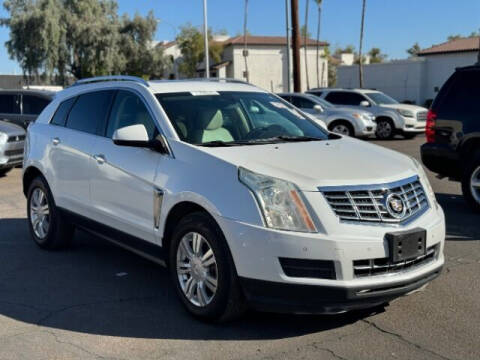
x=471 y=182
x=385 y=129
x=202 y=270
x=342 y=128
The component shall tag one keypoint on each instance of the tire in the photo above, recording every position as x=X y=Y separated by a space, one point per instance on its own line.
x=4 y=172
x=409 y=136
x=471 y=182
x=188 y=275
x=342 y=127
x=385 y=129
x=53 y=232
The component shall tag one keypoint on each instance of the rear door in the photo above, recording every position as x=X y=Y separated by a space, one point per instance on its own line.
x=456 y=107
x=10 y=108
x=73 y=164
x=123 y=193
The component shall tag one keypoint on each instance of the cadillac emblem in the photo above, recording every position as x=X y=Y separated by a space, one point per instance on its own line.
x=395 y=206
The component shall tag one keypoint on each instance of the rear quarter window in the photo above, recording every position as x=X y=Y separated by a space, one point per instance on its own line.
x=61 y=114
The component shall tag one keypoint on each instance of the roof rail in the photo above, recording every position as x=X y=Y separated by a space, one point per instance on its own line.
x=230 y=80
x=111 y=78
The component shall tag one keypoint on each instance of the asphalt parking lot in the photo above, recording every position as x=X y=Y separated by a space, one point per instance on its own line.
x=96 y=301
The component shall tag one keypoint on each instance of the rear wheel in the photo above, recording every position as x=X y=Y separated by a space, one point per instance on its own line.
x=342 y=127
x=47 y=226
x=202 y=270
x=471 y=182
x=385 y=129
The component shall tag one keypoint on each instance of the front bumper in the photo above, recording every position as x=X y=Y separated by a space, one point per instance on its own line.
x=257 y=252
x=412 y=125
x=11 y=154
x=365 y=129
x=295 y=298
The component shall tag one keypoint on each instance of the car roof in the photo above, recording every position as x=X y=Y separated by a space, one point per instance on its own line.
x=173 y=86
x=348 y=90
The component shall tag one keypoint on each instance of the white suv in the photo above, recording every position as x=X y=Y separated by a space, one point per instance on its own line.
x=245 y=207
x=391 y=116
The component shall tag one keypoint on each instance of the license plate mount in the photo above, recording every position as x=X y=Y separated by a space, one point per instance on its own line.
x=406 y=245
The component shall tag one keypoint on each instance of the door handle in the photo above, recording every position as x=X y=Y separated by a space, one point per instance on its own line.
x=55 y=141
x=99 y=158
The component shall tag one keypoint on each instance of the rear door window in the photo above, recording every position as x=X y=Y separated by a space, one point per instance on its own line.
x=9 y=104
x=345 y=98
x=34 y=105
x=89 y=112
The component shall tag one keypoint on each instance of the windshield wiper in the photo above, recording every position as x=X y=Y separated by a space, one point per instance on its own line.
x=220 y=143
x=288 y=138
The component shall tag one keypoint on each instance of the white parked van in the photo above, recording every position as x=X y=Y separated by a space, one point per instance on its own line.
x=246 y=199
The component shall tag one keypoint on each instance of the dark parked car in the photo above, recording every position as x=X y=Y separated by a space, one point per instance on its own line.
x=453 y=132
x=23 y=106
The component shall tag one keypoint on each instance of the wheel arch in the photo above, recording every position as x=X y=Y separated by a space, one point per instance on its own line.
x=29 y=174
x=336 y=121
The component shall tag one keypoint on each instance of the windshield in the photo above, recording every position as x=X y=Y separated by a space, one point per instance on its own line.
x=236 y=118
x=381 y=98
x=320 y=101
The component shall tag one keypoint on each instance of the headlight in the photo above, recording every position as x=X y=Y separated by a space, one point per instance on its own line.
x=406 y=113
x=3 y=138
x=280 y=202
x=356 y=115
x=423 y=177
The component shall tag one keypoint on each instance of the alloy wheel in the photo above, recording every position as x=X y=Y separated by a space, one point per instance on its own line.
x=475 y=184
x=341 y=129
x=197 y=270
x=39 y=213
x=384 y=129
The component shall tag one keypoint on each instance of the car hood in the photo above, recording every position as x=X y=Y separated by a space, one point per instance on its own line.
x=414 y=108
x=11 y=129
x=345 y=161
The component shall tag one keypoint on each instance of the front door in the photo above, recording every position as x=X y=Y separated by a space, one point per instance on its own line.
x=122 y=186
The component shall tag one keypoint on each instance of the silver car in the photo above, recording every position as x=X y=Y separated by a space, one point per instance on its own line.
x=344 y=121
x=12 y=138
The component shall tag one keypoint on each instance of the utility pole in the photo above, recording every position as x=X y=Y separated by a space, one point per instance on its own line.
x=205 y=35
x=245 y=47
x=297 y=85
x=287 y=21
x=360 y=60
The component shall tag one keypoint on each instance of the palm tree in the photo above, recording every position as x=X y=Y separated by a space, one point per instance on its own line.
x=360 y=57
x=305 y=36
x=319 y=4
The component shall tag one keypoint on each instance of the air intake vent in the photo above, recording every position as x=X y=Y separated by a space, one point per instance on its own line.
x=306 y=268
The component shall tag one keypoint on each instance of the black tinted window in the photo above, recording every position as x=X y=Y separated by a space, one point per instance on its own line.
x=10 y=104
x=344 y=98
x=61 y=114
x=459 y=100
x=34 y=105
x=128 y=109
x=302 y=102
x=89 y=112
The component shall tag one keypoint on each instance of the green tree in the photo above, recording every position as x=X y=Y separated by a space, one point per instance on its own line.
x=414 y=50
x=376 y=56
x=454 y=37
x=141 y=57
x=190 y=42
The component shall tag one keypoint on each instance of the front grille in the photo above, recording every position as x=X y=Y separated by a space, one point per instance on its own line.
x=16 y=138
x=372 y=267
x=13 y=152
x=368 y=203
x=422 y=116
x=307 y=268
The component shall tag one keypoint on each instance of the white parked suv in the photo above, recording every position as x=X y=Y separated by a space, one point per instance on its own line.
x=391 y=116
x=267 y=210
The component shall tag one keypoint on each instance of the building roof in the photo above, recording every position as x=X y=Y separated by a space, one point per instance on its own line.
x=268 y=40
x=454 y=46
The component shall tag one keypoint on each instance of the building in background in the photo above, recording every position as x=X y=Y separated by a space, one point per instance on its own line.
x=267 y=62
x=418 y=79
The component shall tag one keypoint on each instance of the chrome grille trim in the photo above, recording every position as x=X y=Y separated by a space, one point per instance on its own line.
x=383 y=266
x=367 y=203
x=422 y=116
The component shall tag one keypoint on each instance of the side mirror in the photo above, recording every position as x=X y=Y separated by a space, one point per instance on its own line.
x=255 y=109
x=365 y=103
x=318 y=108
x=137 y=136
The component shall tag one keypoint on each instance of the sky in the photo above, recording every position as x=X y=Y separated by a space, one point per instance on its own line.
x=391 y=25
